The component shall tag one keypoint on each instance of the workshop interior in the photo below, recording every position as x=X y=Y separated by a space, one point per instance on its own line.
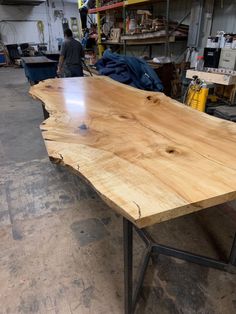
x=118 y=156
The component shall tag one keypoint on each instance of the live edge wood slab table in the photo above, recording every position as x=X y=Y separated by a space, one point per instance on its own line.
x=149 y=157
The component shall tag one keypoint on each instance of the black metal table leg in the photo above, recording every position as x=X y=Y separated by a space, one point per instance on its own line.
x=153 y=248
x=144 y=265
x=45 y=113
x=232 y=257
x=128 y=264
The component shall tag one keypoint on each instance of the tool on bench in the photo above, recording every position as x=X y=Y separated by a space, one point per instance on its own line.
x=196 y=94
x=86 y=67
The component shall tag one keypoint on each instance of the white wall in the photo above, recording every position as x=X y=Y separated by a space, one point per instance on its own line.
x=25 y=28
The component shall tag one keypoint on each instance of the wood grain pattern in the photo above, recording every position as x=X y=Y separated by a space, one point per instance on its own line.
x=148 y=156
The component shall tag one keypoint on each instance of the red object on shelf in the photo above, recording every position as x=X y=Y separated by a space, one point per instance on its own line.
x=106 y=7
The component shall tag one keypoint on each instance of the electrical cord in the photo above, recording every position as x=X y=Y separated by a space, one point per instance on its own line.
x=40 y=27
x=188 y=101
x=49 y=24
x=185 y=94
x=196 y=85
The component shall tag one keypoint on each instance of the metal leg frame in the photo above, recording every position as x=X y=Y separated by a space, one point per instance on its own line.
x=45 y=113
x=152 y=248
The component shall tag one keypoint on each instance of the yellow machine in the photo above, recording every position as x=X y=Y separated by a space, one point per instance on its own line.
x=197 y=94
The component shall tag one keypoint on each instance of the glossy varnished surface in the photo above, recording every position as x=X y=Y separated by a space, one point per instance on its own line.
x=149 y=157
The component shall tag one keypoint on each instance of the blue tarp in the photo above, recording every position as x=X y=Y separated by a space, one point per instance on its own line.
x=129 y=70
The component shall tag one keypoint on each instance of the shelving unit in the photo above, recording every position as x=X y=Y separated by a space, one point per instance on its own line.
x=106 y=7
x=142 y=39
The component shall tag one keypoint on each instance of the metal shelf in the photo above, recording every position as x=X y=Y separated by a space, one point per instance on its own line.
x=151 y=38
x=134 y=41
x=106 y=7
x=107 y=42
x=150 y=41
x=116 y=5
x=131 y=2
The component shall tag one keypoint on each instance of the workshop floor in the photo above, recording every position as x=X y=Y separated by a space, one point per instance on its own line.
x=61 y=246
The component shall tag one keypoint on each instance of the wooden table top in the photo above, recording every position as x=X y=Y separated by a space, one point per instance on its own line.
x=37 y=60
x=148 y=156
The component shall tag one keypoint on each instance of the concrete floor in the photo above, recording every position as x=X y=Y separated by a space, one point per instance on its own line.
x=61 y=246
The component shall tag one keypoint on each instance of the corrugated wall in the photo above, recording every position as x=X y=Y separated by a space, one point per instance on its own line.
x=178 y=9
x=224 y=16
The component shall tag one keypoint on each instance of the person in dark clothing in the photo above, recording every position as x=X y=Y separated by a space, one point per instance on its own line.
x=71 y=56
x=88 y=4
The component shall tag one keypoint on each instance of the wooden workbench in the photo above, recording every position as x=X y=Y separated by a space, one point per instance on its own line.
x=148 y=156
x=210 y=77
